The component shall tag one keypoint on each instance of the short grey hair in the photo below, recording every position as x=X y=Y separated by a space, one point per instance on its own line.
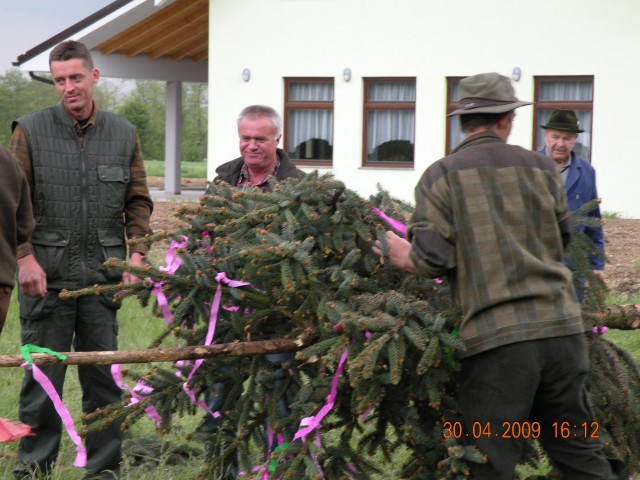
x=255 y=111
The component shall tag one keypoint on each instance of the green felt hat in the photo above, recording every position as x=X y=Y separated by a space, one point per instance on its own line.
x=565 y=120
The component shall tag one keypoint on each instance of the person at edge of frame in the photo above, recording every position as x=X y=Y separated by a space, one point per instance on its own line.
x=16 y=224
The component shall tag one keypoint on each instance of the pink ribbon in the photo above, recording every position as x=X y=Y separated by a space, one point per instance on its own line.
x=162 y=301
x=279 y=437
x=206 y=241
x=395 y=224
x=398 y=226
x=600 y=329
x=309 y=424
x=173 y=263
x=313 y=422
x=315 y=458
x=366 y=414
x=192 y=395
x=138 y=393
x=262 y=469
x=213 y=320
x=65 y=416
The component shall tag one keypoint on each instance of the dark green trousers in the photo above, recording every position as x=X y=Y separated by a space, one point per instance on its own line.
x=88 y=324
x=536 y=381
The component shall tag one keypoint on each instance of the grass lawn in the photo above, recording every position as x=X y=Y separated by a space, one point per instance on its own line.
x=155 y=168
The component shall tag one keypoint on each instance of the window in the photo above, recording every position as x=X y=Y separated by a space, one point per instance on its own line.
x=454 y=132
x=571 y=93
x=308 y=121
x=389 y=122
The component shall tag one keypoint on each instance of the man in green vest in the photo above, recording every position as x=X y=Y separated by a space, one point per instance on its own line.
x=89 y=194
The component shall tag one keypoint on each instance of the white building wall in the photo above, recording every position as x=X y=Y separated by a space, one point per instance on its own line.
x=428 y=40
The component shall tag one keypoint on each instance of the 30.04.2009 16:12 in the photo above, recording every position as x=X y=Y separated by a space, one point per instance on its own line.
x=520 y=430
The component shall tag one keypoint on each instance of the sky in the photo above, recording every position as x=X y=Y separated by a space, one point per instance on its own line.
x=27 y=23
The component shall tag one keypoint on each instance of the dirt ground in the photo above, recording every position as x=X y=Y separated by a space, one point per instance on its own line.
x=622 y=237
x=185 y=183
x=622 y=249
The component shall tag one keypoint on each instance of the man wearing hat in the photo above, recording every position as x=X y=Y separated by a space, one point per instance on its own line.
x=494 y=218
x=578 y=176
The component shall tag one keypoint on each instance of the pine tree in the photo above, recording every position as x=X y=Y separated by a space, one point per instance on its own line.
x=305 y=251
x=614 y=376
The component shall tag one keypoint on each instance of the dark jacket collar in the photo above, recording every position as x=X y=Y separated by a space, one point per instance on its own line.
x=486 y=136
x=229 y=172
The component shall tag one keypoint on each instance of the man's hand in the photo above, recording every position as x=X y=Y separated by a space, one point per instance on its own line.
x=399 y=249
x=31 y=277
x=599 y=274
x=136 y=260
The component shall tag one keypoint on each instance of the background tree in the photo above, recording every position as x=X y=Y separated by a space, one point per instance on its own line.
x=194 y=122
x=136 y=111
x=108 y=94
x=152 y=95
x=20 y=95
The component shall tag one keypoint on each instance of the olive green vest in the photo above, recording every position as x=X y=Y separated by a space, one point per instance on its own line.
x=79 y=194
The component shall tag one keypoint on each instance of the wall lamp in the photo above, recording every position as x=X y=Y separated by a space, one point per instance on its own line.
x=346 y=74
x=246 y=74
x=516 y=74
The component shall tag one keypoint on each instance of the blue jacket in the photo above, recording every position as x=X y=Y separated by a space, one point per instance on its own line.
x=581 y=188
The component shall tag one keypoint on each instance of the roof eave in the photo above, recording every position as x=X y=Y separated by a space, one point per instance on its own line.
x=77 y=27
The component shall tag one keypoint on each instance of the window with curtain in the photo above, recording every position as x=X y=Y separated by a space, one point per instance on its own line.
x=567 y=93
x=308 y=120
x=454 y=132
x=389 y=122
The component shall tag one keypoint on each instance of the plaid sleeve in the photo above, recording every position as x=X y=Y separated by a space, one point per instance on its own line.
x=138 y=203
x=20 y=150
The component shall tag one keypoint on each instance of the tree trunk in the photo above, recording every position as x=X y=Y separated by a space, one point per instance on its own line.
x=620 y=317
x=235 y=349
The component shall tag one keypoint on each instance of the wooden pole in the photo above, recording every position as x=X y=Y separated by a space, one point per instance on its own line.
x=235 y=349
x=621 y=317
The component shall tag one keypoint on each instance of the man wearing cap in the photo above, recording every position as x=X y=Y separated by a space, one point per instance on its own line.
x=494 y=218
x=578 y=176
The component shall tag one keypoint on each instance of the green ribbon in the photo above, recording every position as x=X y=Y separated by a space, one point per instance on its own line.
x=27 y=349
x=273 y=463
